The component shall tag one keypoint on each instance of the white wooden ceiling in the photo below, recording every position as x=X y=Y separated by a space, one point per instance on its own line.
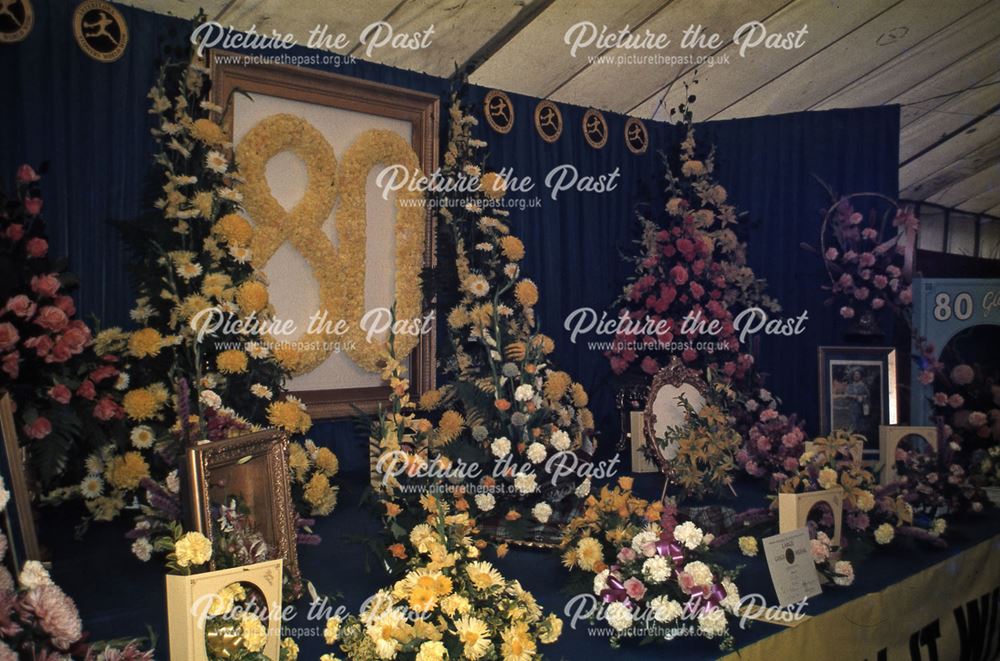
x=939 y=59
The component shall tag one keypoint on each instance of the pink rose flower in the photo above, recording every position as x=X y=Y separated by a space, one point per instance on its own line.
x=686 y=582
x=45 y=285
x=850 y=256
x=880 y=281
x=626 y=555
x=845 y=280
x=634 y=588
x=866 y=259
x=689 y=355
x=26 y=174
x=11 y=365
x=768 y=414
x=38 y=429
x=878 y=303
x=847 y=312
x=107 y=409
x=861 y=293
x=790 y=464
x=893 y=271
x=977 y=419
x=649 y=365
x=60 y=393
x=763 y=444
x=962 y=374
x=831 y=254
x=21 y=306
x=14 y=232
x=927 y=377
x=52 y=318
x=906 y=296
x=86 y=390
x=940 y=399
x=820 y=551
x=33 y=205
x=855 y=218
x=8 y=336
x=956 y=401
x=679 y=275
x=37 y=247
x=65 y=303
x=869 y=233
x=103 y=372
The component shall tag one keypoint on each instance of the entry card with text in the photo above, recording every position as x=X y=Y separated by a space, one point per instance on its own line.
x=793 y=571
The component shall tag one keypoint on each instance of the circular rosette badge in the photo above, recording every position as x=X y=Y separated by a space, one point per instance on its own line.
x=17 y=17
x=100 y=30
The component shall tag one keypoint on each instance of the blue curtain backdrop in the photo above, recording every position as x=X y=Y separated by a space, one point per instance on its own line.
x=89 y=121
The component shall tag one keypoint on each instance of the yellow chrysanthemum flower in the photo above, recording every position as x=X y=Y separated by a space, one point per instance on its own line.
x=251 y=296
x=289 y=415
x=127 y=470
x=493 y=185
x=449 y=427
x=142 y=403
x=326 y=461
x=589 y=553
x=483 y=575
x=430 y=399
x=320 y=495
x=526 y=293
x=579 y=394
x=208 y=132
x=234 y=230
x=556 y=385
x=513 y=248
x=231 y=361
x=145 y=342
x=474 y=635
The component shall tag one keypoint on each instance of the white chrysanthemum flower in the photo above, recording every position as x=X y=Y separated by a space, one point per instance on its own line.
x=560 y=440
x=216 y=161
x=262 y=391
x=884 y=533
x=536 y=453
x=210 y=398
x=173 y=482
x=583 y=490
x=500 y=447
x=94 y=465
x=699 y=572
x=525 y=483
x=524 y=393
x=485 y=501
x=644 y=543
x=542 y=512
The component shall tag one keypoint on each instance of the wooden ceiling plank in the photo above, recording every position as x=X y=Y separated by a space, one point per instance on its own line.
x=461 y=28
x=922 y=58
x=601 y=83
x=185 y=9
x=944 y=167
x=949 y=118
x=722 y=85
x=962 y=191
x=980 y=203
x=537 y=60
x=902 y=27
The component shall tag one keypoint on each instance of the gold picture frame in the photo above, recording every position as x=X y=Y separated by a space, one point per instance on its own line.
x=235 y=73
x=18 y=521
x=255 y=467
x=680 y=380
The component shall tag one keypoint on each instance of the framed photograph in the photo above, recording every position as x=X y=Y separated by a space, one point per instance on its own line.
x=339 y=240
x=664 y=408
x=253 y=468
x=17 y=521
x=857 y=391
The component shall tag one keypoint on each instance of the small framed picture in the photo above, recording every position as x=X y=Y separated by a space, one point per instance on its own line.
x=252 y=468
x=857 y=392
x=16 y=521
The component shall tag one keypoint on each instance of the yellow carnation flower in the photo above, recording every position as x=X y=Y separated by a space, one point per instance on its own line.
x=254 y=632
x=192 y=549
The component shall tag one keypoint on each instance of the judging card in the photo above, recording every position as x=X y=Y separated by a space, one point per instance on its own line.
x=791 y=565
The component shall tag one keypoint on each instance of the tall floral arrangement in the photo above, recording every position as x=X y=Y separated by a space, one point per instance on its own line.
x=505 y=406
x=196 y=367
x=63 y=385
x=689 y=262
x=774 y=441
